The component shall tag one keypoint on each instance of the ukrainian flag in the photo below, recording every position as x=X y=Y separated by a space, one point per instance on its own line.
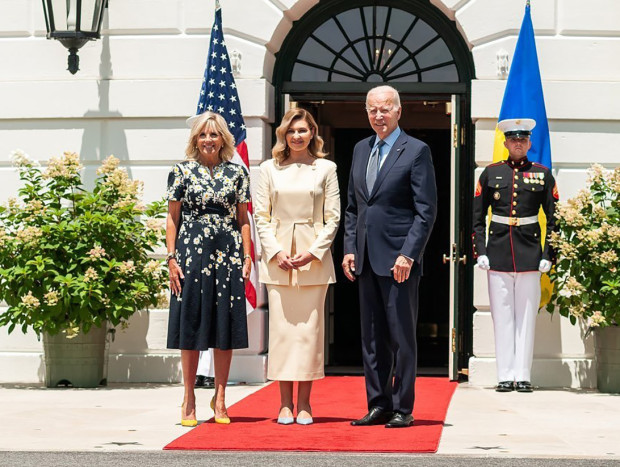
x=523 y=97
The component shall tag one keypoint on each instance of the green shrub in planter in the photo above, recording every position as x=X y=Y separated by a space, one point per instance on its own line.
x=587 y=275
x=72 y=258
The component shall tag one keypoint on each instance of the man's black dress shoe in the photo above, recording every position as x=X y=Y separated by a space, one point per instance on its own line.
x=400 y=420
x=524 y=386
x=375 y=416
x=505 y=386
x=204 y=382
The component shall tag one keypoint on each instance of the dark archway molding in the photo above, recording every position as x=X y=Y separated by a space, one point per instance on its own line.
x=326 y=9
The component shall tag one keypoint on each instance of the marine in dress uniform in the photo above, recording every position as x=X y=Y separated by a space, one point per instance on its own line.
x=515 y=189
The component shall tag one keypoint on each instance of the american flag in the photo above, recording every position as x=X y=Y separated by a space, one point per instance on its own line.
x=219 y=94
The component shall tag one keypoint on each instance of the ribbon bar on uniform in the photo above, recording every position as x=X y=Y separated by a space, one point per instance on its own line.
x=514 y=221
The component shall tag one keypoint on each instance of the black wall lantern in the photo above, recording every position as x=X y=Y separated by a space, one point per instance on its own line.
x=73 y=23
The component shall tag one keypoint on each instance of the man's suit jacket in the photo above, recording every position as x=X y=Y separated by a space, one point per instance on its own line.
x=398 y=216
x=299 y=204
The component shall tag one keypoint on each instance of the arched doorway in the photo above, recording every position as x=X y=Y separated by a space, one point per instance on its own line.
x=332 y=56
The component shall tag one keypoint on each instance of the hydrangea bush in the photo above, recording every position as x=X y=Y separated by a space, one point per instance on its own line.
x=72 y=258
x=587 y=273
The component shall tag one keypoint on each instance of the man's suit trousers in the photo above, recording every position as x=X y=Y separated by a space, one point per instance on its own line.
x=389 y=313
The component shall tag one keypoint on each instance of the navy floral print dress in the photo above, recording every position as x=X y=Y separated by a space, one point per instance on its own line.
x=210 y=312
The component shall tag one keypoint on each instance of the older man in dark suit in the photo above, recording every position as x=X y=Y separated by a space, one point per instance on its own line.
x=392 y=204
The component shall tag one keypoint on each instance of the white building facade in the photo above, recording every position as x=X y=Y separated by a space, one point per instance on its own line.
x=141 y=80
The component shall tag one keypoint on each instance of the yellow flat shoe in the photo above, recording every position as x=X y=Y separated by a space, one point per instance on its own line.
x=213 y=403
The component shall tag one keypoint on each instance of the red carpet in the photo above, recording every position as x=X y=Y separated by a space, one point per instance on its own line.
x=335 y=402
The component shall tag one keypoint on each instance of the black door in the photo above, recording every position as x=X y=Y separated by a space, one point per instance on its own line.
x=433 y=327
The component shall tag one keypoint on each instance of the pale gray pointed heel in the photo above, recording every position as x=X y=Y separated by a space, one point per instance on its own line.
x=285 y=420
x=305 y=421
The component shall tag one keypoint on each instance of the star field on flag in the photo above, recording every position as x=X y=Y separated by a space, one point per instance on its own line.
x=219 y=91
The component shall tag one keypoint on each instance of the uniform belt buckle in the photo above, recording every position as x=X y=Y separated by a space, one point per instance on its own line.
x=513 y=221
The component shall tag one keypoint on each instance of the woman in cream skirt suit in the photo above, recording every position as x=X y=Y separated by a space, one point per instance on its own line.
x=297 y=215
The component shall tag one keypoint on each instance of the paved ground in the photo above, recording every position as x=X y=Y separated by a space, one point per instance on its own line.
x=129 y=424
x=542 y=423
x=218 y=459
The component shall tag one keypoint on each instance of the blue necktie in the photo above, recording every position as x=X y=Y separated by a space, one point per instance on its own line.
x=373 y=166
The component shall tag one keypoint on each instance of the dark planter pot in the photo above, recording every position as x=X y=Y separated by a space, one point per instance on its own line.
x=607 y=357
x=81 y=362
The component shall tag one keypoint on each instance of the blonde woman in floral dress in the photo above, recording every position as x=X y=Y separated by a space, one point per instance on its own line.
x=208 y=241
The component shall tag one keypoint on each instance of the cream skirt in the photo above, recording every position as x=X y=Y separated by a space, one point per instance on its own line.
x=296 y=332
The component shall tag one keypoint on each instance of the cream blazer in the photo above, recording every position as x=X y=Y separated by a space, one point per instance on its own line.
x=297 y=203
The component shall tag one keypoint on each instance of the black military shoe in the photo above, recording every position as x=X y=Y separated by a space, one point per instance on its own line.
x=505 y=386
x=204 y=382
x=375 y=416
x=524 y=386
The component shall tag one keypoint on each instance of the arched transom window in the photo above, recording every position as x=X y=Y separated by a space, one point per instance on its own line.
x=375 y=44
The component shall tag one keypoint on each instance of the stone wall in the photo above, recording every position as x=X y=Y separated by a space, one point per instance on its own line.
x=139 y=83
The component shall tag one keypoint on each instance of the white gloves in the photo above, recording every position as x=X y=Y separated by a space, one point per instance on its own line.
x=483 y=262
x=544 y=265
